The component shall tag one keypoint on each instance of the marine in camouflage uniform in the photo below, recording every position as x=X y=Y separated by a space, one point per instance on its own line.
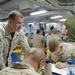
x=31 y=64
x=7 y=44
x=67 y=52
x=19 y=69
x=38 y=41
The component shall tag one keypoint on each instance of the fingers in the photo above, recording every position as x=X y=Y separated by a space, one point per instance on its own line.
x=60 y=65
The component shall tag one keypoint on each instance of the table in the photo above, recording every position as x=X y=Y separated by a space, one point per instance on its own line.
x=63 y=71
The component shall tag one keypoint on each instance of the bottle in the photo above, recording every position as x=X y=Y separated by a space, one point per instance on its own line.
x=47 y=67
x=70 y=64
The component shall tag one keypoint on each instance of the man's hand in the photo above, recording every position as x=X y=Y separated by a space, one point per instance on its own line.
x=63 y=31
x=60 y=65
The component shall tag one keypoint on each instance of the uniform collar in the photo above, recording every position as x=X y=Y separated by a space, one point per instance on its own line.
x=7 y=34
x=18 y=65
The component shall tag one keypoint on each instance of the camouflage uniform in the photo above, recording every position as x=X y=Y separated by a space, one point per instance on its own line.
x=38 y=40
x=19 y=69
x=67 y=52
x=52 y=36
x=72 y=43
x=7 y=43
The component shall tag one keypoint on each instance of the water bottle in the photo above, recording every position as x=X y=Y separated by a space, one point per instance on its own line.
x=47 y=67
x=70 y=64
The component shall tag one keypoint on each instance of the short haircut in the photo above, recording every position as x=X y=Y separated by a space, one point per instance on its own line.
x=38 y=31
x=53 y=45
x=14 y=14
x=36 y=54
x=26 y=34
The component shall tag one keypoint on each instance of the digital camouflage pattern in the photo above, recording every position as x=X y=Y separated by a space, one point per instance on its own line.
x=7 y=43
x=19 y=69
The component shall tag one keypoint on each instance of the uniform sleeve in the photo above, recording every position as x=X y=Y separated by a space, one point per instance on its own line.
x=73 y=53
x=24 y=43
x=2 y=72
x=47 y=40
x=2 y=65
x=68 y=52
x=43 y=41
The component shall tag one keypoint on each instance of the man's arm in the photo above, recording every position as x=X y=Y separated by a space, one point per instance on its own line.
x=64 y=32
x=43 y=42
x=2 y=64
x=61 y=65
x=24 y=43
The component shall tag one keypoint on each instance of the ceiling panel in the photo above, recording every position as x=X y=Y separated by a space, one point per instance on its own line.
x=66 y=2
x=50 y=5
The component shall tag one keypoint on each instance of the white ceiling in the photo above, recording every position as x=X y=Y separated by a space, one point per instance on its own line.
x=27 y=6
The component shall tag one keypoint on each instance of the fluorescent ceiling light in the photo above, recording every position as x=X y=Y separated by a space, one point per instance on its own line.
x=62 y=19
x=38 y=12
x=55 y=17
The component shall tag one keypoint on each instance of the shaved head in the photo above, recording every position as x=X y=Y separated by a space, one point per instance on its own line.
x=36 y=54
x=36 y=58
